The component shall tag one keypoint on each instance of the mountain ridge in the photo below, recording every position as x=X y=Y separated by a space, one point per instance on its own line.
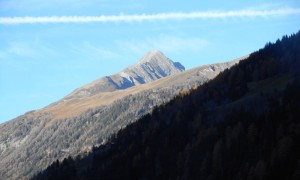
x=67 y=107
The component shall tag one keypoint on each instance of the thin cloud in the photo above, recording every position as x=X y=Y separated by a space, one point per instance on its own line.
x=31 y=50
x=150 y=17
x=92 y=51
x=167 y=44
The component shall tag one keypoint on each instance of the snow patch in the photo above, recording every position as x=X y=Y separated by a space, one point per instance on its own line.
x=150 y=68
x=124 y=74
x=127 y=76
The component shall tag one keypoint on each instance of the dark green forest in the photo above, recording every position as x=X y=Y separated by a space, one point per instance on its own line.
x=244 y=124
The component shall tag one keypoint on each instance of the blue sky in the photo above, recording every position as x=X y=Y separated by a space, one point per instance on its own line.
x=42 y=61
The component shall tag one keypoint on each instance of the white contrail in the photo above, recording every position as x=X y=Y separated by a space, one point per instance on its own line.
x=150 y=17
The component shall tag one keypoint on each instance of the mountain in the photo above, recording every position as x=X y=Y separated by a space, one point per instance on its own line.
x=72 y=105
x=243 y=124
x=152 y=66
x=73 y=125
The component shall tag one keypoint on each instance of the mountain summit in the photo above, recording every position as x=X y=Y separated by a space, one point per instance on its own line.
x=152 y=66
x=157 y=57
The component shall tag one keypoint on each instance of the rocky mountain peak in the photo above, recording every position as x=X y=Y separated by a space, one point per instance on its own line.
x=157 y=58
x=152 y=66
x=153 y=56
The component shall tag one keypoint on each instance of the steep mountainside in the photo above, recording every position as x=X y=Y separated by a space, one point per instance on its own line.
x=244 y=124
x=74 y=106
x=75 y=124
x=152 y=66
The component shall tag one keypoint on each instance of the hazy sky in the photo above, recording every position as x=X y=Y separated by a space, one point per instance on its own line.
x=49 y=48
